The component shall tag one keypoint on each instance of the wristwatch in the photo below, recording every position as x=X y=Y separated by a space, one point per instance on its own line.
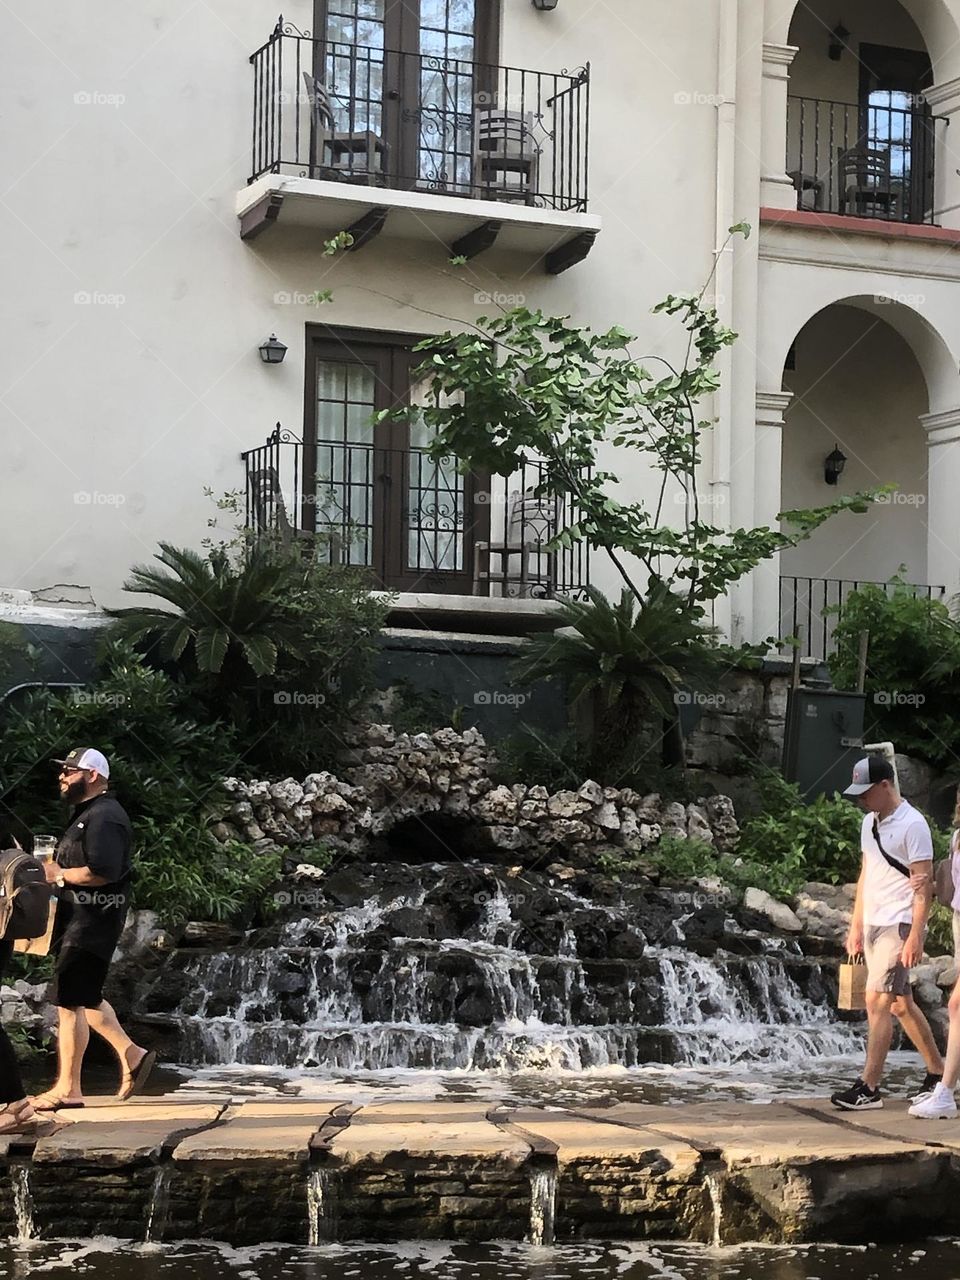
x=59 y=881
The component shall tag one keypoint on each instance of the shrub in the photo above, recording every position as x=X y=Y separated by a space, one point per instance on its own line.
x=268 y=637
x=167 y=769
x=913 y=670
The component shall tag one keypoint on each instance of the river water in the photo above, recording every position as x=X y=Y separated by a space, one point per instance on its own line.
x=112 y=1260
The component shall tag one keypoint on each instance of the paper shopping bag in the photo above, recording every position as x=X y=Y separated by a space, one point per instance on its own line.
x=852 y=993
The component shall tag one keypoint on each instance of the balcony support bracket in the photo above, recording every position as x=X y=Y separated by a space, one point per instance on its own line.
x=262 y=215
x=482 y=237
x=570 y=253
x=367 y=228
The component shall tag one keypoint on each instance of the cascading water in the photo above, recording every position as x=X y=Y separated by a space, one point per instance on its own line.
x=543 y=1205
x=159 y=1205
x=540 y=980
x=23 y=1203
x=320 y=1218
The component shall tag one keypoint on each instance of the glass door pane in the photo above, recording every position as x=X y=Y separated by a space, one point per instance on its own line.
x=448 y=53
x=434 y=508
x=346 y=404
x=356 y=39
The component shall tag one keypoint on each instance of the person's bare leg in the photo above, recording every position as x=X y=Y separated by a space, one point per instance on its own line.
x=73 y=1036
x=951 y=1066
x=918 y=1029
x=103 y=1020
x=880 y=1034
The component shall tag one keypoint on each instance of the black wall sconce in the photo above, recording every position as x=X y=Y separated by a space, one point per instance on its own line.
x=833 y=465
x=838 y=42
x=544 y=5
x=272 y=351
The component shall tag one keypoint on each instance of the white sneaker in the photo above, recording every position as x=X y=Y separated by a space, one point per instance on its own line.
x=939 y=1105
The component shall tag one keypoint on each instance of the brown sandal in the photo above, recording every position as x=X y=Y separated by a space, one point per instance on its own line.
x=25 y=1122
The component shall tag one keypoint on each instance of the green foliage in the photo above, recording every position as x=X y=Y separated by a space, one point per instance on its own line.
x=631 y=659
x=184 y=874
x=416 y=710
x=278 y=643
x=559 y=763
x=166 y=767
x=913 y=670
x=528 y=384
x=316 y=853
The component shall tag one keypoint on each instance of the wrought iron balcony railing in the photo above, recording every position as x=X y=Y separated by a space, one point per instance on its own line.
x=419 y=122
x=864 y=161
x=415 y=523
x=812 y=607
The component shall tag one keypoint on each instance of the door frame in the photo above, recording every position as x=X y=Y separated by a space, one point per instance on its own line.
x=392 y=352
x=879 y=66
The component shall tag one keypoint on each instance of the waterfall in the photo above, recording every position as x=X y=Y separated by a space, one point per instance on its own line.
x=320 y=1208
x=715 y=1192
x=527 y=985
x=23 y=1203
x=159 y=1205
x=543 y=1204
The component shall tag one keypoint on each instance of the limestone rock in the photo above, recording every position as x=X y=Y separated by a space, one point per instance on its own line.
x=778 y=913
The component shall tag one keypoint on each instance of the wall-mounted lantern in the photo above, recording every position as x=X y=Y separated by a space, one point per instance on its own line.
x=838 y=42
x=272 y=351
x=833 y=465
x=544 y=5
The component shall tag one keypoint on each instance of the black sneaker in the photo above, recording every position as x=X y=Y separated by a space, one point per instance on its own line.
x=857 y=1098
x=930 y=1082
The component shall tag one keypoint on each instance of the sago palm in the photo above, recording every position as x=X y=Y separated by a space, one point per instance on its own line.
x=226 y=619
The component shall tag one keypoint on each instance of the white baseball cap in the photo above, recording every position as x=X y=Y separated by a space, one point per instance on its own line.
x=87 y=758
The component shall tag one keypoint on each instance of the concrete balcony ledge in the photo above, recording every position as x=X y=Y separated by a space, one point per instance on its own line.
x=464 y=226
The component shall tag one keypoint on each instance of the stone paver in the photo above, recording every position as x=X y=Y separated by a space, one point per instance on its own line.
x=121 y=1135
x=271 y=1130
x=423 y=1129
x=577 y=1136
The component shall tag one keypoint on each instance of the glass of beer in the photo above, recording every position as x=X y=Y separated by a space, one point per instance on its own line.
x=44 y=847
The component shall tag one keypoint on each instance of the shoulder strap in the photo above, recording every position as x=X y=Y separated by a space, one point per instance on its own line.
x=897 y=866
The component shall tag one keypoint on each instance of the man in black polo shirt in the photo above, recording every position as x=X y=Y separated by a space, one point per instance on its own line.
x=92 y=871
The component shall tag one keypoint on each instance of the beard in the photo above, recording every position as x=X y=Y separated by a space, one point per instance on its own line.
x=75 y=792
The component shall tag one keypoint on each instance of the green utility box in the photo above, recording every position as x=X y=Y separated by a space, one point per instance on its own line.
x=823 y=739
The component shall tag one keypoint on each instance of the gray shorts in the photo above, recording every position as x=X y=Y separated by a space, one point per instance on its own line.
x=882 y=946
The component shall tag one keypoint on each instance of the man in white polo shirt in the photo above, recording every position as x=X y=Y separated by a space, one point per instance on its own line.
x=894 y=893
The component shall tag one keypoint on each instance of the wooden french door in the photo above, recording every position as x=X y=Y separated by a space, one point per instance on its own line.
x=895 y=118
x=370 y=487
x=412 y=72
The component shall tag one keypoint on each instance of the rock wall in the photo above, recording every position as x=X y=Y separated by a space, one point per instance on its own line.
x=746 y=716
x=389 y=778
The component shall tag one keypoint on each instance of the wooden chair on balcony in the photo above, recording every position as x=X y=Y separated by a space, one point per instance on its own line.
x=270 y=510
x=360 y=154
x=505 y=155
x=524 y=569
x=866 y=189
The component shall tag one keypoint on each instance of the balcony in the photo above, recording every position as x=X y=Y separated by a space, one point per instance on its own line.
x=418 y=525
x=373 y=141
x=868 y=161
x=811 y=608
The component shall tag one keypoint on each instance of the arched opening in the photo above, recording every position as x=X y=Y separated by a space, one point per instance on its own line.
x=860 y=133
x=858 y=385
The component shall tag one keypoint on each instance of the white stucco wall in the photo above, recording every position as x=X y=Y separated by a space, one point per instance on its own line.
x=146 y=392
x=869 y=403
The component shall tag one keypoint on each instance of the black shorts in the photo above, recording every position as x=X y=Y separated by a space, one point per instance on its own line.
x=78 y=979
